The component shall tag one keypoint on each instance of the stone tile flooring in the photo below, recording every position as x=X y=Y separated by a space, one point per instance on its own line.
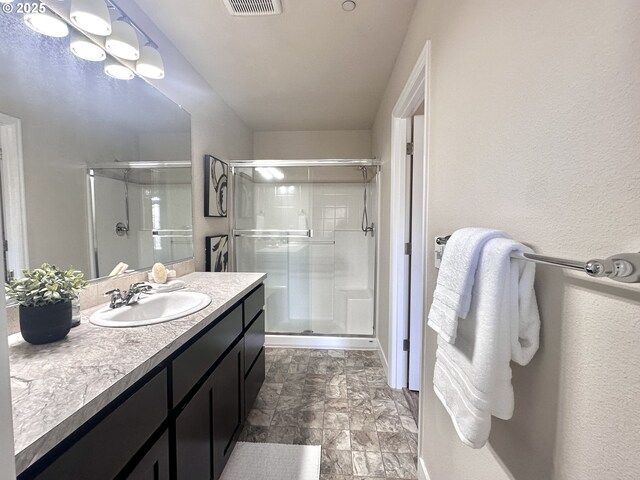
x=338 y=399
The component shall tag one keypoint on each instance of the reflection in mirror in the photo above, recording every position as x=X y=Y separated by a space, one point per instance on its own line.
x=61 y=116
x=141 y=214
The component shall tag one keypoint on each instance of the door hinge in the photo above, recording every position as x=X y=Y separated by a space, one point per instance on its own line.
x=6 y=246
x=407 y=248
x=405 y=345
x=409 y=148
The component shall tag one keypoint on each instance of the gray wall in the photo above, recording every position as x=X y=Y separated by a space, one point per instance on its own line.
x=215 y=128
x=534 y=120
x=312 y=144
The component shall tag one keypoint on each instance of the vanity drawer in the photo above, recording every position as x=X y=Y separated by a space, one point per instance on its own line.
x=253 y=304
x=106 y=448
x=253 y=341
x=253 y=383
x=191 y=365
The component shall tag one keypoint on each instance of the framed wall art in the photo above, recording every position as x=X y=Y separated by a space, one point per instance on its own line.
x=217 y=256
x=216 y=174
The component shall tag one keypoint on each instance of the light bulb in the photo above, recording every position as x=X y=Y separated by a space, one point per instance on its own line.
x=150 y=64
x=47 y=23
x=84 y=48
x=115 y=69
x=91 y=16
x=123 y=41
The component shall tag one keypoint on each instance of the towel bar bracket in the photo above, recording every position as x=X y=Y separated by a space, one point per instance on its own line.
x=622 y=267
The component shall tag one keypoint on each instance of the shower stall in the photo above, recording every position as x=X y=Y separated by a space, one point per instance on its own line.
x=311 y=226
x=140 y=214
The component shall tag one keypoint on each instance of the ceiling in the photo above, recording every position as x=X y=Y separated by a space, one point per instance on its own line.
x=314 y=67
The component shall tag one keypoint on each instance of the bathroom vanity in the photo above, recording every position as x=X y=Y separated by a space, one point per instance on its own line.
x=165 y=401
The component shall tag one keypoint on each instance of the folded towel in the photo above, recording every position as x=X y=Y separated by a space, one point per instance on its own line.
x=170 y=286
x=472 y=377
x=452 y=296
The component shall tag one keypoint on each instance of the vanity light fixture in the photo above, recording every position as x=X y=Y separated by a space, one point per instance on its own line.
x=46 y=23
x=116 y=70
x=86 y=49
x=92 y=16
x=123 y=41
x=150 y=63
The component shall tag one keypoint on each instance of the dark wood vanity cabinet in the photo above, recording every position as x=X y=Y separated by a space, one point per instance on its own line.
x=211 y=418
x=182 y=421
x=228 y=411
x=109 y=445
x=155 y=464
x=210 y=423
x=194 y=433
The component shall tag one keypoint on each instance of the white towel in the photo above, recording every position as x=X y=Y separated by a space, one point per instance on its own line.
x=472 y=377
x=452 y=296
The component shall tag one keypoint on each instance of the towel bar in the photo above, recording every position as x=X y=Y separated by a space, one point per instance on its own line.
x=623 y=267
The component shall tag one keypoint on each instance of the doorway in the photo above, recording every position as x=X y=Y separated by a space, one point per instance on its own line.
x=415 y=260
x=12 y=198
x=409 y=204
x=408 y=226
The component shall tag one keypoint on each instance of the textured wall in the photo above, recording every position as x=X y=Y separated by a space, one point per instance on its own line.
x=312 y=144
x=535 y=114
x=215 y=128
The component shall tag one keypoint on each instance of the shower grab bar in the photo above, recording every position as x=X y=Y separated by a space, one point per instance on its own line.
x=172 y=236
x=623 y=267
x=313 y=242
x=163 y=230
x=272 y=233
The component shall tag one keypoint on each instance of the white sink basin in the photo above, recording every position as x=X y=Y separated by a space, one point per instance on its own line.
x=156 y=308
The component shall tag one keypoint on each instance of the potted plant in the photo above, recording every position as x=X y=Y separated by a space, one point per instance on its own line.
x=45 y=296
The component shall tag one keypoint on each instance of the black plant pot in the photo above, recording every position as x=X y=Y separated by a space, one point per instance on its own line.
x=45 y=324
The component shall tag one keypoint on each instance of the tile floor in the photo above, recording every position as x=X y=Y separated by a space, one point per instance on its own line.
x=338 y=399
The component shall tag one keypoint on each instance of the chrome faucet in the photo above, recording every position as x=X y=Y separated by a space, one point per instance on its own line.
x=128 y=297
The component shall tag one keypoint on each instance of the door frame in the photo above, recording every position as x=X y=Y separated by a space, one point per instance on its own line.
x=413 y=94
x=13 y=192
x=418 y=258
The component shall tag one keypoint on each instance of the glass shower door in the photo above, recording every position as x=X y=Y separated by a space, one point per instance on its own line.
x=302 y=226
x=288 y=281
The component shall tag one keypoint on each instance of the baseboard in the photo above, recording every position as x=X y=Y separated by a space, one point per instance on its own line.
x=423 y=474
x=383 y=359
x=310 y=341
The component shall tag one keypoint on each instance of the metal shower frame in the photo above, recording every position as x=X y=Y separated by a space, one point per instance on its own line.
x=325 y=162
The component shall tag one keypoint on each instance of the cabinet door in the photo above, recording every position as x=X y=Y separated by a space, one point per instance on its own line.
x=253 y=382
x=253 y=341
x=155 y=464
x=228 y=412
x=107 y=448
x=194 y=449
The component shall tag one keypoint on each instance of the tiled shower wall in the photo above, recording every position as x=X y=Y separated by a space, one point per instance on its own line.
x=338 y=260
x=334 y=213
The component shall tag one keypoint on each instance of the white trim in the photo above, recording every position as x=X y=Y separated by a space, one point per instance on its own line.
x=312 y=341
x=419 y=248
x=14 y=193
x=383 y=359
x=423 y=473
x=7 y=451
x=413 y=94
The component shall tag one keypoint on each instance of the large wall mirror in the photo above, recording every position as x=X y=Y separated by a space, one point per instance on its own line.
x=95 y=170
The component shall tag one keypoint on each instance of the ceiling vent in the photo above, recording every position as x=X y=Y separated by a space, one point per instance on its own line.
x=253 y=7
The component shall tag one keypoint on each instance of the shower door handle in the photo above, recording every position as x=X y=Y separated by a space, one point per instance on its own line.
x=273 y=233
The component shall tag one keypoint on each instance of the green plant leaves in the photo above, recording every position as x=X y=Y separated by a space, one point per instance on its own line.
x=46 y=285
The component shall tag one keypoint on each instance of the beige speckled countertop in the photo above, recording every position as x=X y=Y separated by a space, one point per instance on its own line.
x=59 y=386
